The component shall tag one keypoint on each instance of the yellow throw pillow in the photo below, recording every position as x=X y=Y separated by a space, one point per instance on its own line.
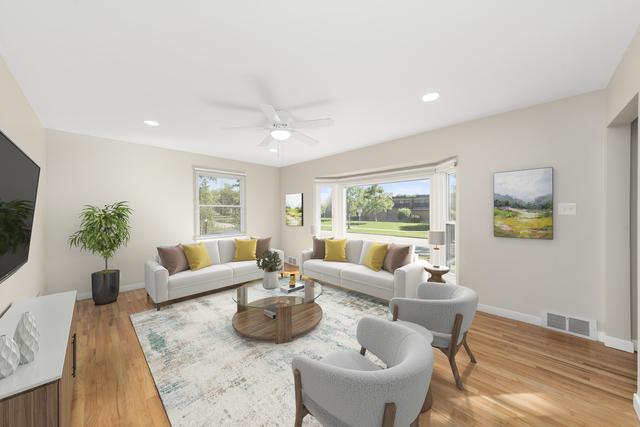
x=375 y=256
x=197 y=256
x=335 y=250
x=245 y=249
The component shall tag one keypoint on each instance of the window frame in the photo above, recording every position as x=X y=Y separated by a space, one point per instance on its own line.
x=213 y=173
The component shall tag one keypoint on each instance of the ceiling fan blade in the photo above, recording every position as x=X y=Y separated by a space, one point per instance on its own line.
x=305 y=138
x=243 y=128
x=316 y=123
x=266 y=141
x=270 y=112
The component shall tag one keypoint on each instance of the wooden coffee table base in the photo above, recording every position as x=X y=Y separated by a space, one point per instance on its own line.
x=290 y=322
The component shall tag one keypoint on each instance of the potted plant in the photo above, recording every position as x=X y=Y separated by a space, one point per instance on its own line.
x=269 y=262
x=102 y=232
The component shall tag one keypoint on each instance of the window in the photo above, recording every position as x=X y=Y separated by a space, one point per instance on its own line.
x=326 y=208
x=398 y=209
x=219 y=203
x=450 y=242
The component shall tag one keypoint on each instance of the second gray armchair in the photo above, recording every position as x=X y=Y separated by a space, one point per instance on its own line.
x=446 y=311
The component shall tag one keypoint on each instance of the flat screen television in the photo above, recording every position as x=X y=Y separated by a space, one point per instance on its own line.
x=18 y=189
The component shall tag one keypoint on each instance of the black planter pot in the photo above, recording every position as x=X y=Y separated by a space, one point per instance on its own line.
x=105 y=286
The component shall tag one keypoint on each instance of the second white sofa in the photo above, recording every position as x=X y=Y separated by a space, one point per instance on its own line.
x=356 y=276
x=162 y=287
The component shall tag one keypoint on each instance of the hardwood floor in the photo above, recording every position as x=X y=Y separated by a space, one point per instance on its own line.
x=526 y=375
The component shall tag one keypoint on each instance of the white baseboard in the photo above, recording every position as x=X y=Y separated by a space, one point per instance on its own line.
x=613 y=342
x=124 y=288
x=636 y=404
x=510 y=314
x=617 y=343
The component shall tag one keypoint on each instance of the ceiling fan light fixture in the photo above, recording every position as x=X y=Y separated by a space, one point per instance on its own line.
x=151 y=123
x=280 y=134
x=273 y=150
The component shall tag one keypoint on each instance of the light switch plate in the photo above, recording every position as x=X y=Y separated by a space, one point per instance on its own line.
x=567 y=209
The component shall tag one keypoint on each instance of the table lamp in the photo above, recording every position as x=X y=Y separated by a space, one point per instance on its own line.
x=436 y=238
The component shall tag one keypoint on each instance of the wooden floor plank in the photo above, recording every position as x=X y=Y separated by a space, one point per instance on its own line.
x=525 y=376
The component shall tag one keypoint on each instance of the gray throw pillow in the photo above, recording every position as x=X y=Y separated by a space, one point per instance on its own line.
x=262 y=245
x=397 y=256
x=318 y=248
x=173 y=259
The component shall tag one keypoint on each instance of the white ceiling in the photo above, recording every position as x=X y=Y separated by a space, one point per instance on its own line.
x=102 y=67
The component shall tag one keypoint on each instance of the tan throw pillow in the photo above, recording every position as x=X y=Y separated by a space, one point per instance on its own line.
x=172 y=258
x=397 y=256
x=262 y=245
x=318 y=248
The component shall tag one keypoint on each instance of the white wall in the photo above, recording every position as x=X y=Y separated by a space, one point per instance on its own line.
x=21 y=125
x=157 y=182
x=528 y=276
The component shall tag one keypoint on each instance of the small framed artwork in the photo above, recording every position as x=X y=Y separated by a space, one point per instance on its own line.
x=294 y=210
x=523 y=204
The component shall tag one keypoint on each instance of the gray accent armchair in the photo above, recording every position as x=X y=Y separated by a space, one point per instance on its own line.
x=446 y=311
x=346 y=388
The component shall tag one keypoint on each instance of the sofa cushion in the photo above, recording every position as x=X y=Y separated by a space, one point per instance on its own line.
x=329 y=268
x=364 y=275
x=245 y=249
x=375 y=256
x=197 y=256
x=212 y=248
x=227 y=249
x=335 y=250
x=318 y=248
x=242 y=268
x=262 y=245
x=363 y=253
x=397 y=256
x=211 y=274
x=354 y=250
x=172 y=258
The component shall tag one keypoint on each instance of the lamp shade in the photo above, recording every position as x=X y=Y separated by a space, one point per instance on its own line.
x=436 y=237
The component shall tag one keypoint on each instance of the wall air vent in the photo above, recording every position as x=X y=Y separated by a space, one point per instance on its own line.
x=291 y=260
x=572 y=325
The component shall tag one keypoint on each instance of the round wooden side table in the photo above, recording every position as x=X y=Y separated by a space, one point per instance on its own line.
x=437 y=273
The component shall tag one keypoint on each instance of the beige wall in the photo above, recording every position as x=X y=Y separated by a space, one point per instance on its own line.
x=22 y=126
x=158 y=183
x=527 y=276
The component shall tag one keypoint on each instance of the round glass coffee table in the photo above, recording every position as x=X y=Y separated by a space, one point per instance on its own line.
x=275 y=315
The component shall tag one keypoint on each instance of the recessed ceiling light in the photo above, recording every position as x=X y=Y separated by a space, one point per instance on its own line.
x=273 y=150
x=280 y=134
x=431 y=96
x=151 y=123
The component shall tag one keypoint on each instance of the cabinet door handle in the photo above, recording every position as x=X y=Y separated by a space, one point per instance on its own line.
x=75 y=346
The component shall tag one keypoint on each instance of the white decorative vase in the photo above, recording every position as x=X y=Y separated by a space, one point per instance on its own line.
x=270 y=280
x=9 y=356
x=27 y=336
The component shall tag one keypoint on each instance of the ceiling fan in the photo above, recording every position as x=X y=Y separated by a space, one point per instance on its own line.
x=281 y=126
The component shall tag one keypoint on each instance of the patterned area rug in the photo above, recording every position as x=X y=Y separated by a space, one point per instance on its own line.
x=207 y=375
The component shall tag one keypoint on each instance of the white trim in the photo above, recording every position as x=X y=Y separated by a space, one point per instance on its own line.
x=241 y=176
x=617 y=343
x=636 y=404
x=124 y=288
x=510 y=314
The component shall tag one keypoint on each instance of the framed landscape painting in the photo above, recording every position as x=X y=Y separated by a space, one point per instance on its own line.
x=293 y=210
x=523 y=204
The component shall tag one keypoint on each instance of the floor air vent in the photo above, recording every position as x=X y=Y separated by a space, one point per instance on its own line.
x=572 y=325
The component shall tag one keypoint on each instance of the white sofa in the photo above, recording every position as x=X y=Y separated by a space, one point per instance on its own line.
x=356 y=276
x=224 y=272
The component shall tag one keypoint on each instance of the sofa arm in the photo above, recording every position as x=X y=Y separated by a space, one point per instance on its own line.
x=305 y=255
x=407 y=278
x=156 y=281
x=280 y=253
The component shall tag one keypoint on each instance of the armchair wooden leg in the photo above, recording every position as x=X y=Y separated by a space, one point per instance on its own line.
x=453 y=349
x=456 y=374
x=416 y=422
x=389 y=417
x=363 y=351
x=428 y=401
x=301 y=411
x=467 y=349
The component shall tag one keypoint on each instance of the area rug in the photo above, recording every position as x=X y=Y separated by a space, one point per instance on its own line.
x=207 y=375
